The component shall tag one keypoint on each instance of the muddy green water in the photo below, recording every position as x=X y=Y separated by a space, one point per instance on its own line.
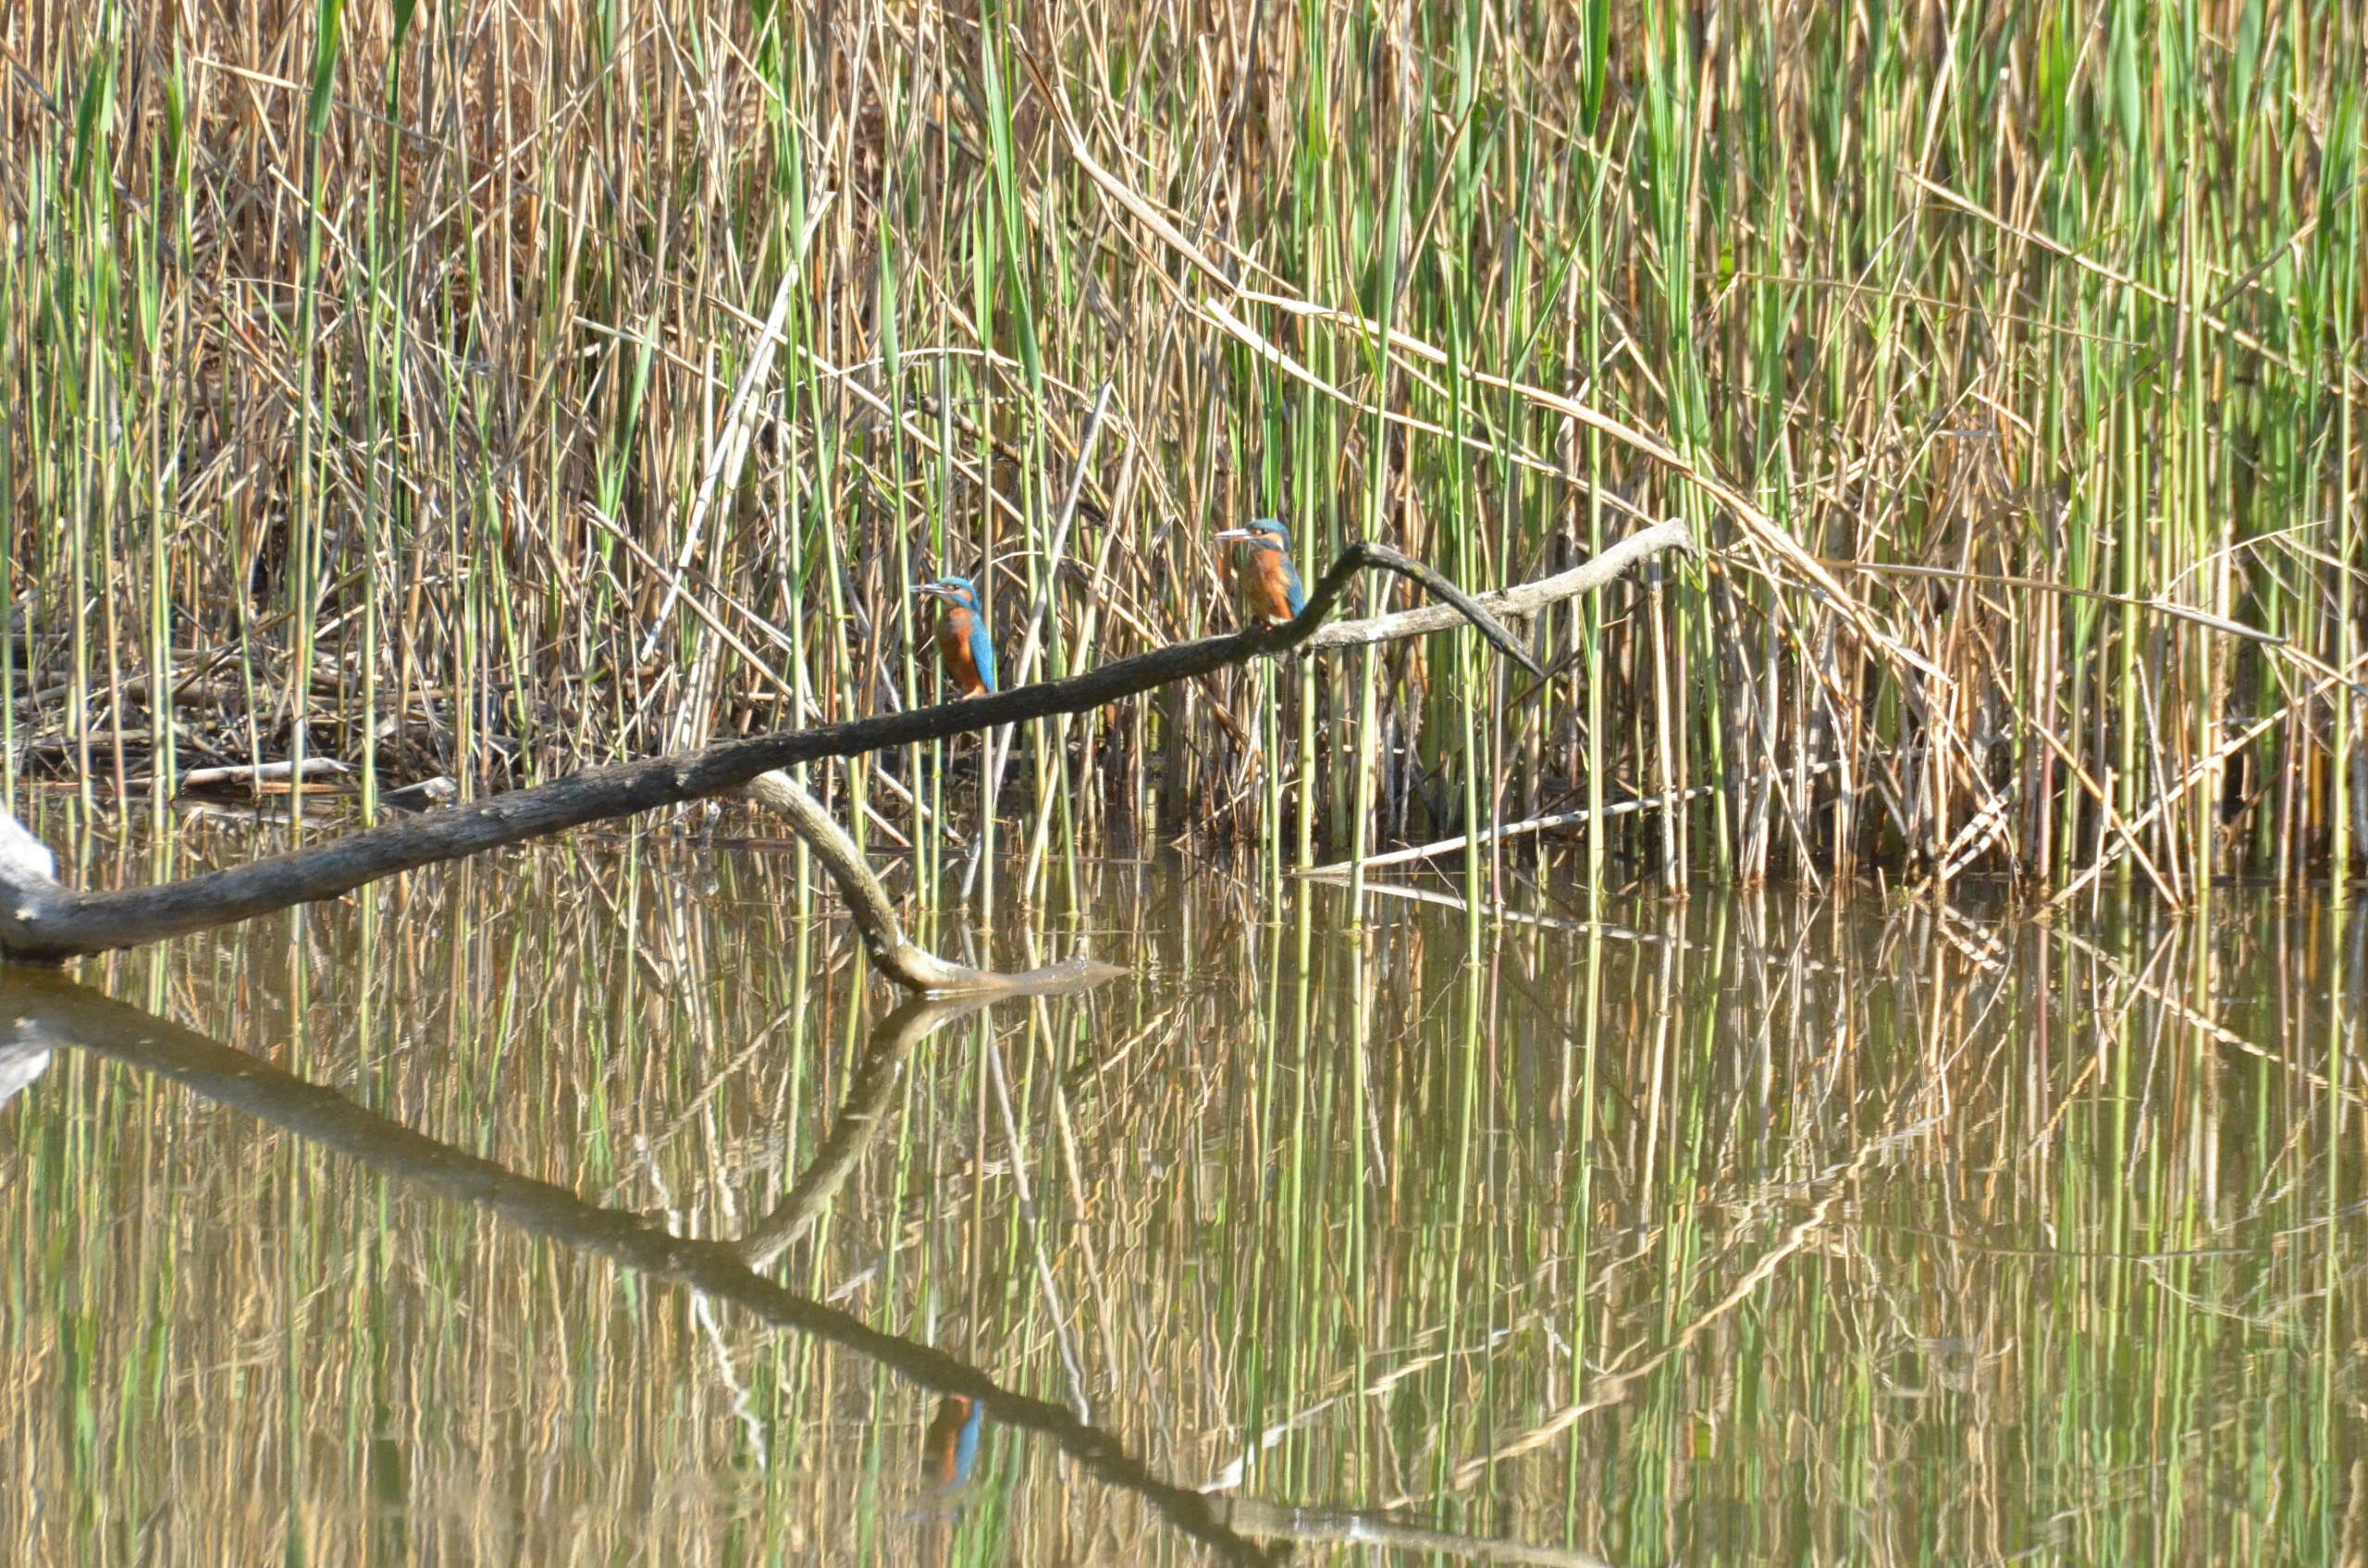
x=588 y=1205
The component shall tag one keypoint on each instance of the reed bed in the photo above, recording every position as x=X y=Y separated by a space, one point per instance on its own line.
x=1861 y=1235
x=489 y=391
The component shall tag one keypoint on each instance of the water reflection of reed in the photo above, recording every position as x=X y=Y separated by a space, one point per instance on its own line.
x=1741 y=1229
x=67 y=1014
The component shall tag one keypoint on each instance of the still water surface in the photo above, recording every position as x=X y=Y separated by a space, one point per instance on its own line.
x=587 y=1204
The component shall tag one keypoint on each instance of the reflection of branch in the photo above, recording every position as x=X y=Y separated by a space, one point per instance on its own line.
x=24 y=1056
x=67 y=1012
x=1283 y=1521
x=860 y=1113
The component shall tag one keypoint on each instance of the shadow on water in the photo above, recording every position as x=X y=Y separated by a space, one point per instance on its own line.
x=585 y=1205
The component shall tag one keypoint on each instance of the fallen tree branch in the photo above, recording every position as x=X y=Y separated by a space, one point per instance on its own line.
x=1519 y=603
x=44 y=921
x=910 y=966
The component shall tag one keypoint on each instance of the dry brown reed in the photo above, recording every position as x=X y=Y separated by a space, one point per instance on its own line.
x=492 y=390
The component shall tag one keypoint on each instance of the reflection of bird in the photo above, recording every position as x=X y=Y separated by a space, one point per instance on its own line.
x=962 y=639
x=950 y=1447
x=1263 y=573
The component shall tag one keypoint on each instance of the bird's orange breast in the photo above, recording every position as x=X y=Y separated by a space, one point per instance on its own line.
x=1266 y=583
x=942 y=1444
x=954 y=646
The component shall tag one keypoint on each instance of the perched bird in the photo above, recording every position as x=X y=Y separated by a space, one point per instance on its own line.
x=962 y=639
x=1263 y=573
x=950 y=1447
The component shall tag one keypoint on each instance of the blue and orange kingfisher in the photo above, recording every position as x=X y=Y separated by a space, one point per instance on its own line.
x=1264 y=573
x=962 y=639
x=950 y=1447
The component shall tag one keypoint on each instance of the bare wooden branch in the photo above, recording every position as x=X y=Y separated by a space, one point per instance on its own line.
x=1518 y=603
x=44 y=921
x=910 y=966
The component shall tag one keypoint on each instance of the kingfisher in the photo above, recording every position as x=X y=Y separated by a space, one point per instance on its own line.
x=1262 y=570
x=950 y=1447
x=962 y=639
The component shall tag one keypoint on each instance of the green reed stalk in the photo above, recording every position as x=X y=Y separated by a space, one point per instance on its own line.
x=14 y=632
x=1389 y=263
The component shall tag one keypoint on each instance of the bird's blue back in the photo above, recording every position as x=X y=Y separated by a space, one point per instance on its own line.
x=983 y=650
x=1293 y=591
x=966 y=1447
x=950 y=1447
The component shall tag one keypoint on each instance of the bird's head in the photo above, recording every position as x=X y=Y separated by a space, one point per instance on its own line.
x=956 y=591
x=1263 y=533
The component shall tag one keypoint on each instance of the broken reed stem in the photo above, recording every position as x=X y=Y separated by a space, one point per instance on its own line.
x=1540 y=824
